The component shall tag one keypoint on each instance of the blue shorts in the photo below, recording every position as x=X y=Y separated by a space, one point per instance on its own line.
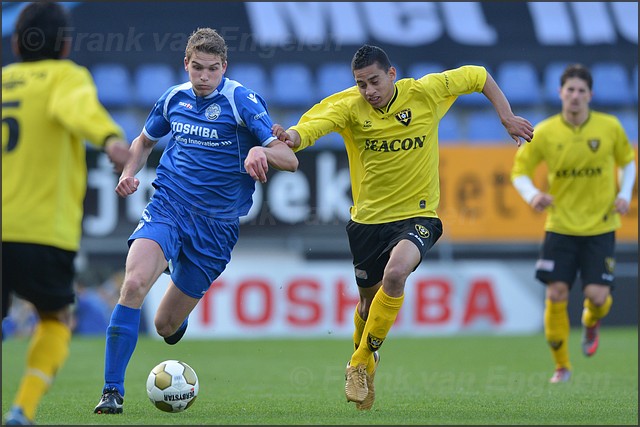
x=198 y=246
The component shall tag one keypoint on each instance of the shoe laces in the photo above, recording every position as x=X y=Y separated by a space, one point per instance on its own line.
x=109 y=391
x=361 y=375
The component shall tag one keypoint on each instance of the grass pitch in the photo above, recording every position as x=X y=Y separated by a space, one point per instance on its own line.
x=459 y=380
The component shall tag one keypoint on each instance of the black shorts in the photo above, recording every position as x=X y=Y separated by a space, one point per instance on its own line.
x=42 y=275
x=563 y=257
x=371 y=244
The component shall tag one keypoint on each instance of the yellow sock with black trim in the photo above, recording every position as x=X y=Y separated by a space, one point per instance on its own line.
x=359 y=324
x=556 y=331
x=382 y=314
x=592 y=313
x=47 y=352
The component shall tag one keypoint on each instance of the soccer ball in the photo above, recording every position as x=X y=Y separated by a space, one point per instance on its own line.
x=172 y=386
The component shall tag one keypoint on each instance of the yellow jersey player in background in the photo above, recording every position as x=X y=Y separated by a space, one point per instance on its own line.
x=49 y=108
x=582 y=150
x=390 y=130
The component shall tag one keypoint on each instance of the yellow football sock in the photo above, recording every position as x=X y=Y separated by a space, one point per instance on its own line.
x=592 y=313
x=359 y=324
x=556 y=331
x=383 y=312
x=47 y=352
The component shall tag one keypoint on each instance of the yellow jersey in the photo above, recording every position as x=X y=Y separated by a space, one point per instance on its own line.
x=393 y=152
x=49 y=109
x=581 y=171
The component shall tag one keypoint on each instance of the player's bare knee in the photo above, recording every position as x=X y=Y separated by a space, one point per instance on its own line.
x=597 y=294
x=63 y=315
x=598 y=300
x=133 y=292
x=394 y=280
x=164 y=328
x=557 y=292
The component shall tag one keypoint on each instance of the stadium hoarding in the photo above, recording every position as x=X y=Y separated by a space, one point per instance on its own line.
x=478 y=201
x=272 y=296
x=272 y=32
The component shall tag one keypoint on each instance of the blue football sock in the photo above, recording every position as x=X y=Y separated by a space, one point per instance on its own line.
x=122 y=336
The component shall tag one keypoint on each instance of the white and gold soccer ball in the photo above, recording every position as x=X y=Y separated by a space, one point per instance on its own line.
x=172 y=386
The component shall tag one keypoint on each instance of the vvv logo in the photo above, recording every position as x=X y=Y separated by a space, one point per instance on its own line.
x=374 y=343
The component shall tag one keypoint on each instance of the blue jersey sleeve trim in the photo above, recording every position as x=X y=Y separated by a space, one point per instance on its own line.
x=269 y=141
x=148 y=135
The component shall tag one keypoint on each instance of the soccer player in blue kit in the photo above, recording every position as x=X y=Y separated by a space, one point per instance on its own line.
x=221 y=144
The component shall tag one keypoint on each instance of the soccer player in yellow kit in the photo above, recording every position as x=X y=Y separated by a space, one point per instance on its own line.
x=49 y=109
x=390 y=130
x=582 y=150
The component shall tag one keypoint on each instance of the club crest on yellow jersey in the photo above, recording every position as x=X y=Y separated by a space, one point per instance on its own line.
x=404 y=116
x=594 y=144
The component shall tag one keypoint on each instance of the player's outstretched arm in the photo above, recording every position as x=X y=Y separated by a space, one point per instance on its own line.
x=517 y=127
x=139 y=153
x=277 y=154
x=290 y=137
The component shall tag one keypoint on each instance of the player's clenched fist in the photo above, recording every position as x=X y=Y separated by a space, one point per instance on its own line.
x=127 y=185
x=256 y=164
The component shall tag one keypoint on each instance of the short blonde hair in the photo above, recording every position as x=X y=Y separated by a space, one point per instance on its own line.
x=206 y=40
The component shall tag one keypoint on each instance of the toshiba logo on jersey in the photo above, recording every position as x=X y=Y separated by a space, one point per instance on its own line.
x=405 y=144
x=190 y=129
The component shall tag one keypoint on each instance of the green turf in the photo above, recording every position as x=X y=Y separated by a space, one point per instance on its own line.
x=442 y=380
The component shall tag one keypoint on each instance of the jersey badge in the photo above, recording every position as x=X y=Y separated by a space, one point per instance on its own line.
x=146 y=216
x=367 y=124
x=252 y=98
x=422 y=231
x=610 y=264
x=404 y=117
x=594 y=144
x=213 y=112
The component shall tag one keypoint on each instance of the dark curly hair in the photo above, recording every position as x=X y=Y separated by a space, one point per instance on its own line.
x=39 y=31
x=369 y=55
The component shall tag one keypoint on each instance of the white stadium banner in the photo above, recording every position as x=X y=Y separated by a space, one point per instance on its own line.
x=259 y=297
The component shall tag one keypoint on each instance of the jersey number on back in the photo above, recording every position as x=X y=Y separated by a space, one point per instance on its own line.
x=12 y=126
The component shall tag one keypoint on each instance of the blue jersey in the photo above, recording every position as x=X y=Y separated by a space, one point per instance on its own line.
x=203 y=163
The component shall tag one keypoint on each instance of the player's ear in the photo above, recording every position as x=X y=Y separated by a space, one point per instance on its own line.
x=14 y=46
x=66 y=48
x=392 y=73
x=186 y=64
